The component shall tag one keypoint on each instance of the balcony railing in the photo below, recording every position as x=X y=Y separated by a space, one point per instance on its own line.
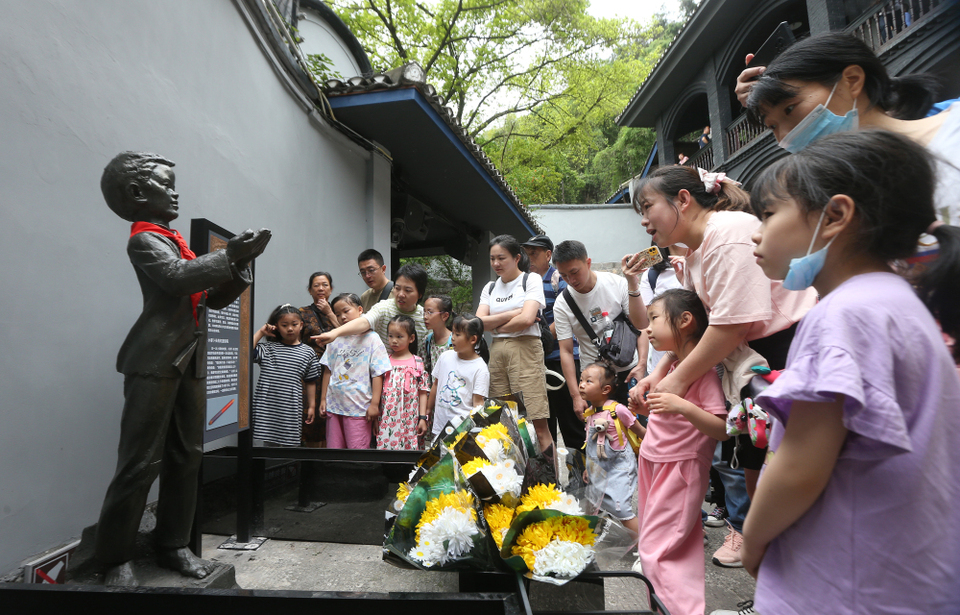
x=889 y=22
x=702 y=159
x=741 y=132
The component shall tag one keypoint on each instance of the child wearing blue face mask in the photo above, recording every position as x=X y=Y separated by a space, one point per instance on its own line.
x=866 y=434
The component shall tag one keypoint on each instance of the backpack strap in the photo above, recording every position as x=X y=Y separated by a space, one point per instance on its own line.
x=652 y=274
x=385 y=293
x=580 y=317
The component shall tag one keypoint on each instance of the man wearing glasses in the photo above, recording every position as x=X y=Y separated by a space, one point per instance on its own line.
x=374 y=274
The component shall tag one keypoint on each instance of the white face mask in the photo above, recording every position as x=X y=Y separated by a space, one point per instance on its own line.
x=819 y=123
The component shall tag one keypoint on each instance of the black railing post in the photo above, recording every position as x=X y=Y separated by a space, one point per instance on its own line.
x=244 y=485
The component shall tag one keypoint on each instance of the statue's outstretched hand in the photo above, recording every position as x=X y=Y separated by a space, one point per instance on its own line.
x=246 y=246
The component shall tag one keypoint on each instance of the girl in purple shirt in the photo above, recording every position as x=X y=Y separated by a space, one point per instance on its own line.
x=856 y=509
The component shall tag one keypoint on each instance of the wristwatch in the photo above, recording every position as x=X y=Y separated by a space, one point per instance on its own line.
x=425 y=418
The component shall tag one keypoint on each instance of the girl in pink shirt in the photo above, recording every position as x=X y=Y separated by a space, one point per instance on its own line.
x=675 y=456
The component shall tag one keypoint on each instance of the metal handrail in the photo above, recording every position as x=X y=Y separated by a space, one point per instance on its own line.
x=702 y=159
x=885 y=25
x=741 y=132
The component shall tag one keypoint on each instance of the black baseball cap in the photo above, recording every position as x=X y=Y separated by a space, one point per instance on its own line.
x=539 y=241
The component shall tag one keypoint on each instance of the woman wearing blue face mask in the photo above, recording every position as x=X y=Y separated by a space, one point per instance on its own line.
x=833 y=83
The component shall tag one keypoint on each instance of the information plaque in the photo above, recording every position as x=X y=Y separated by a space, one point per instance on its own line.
x=229 y=339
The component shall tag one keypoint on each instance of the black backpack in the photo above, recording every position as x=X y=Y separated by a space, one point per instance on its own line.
x=621 y=347
x=546 y=338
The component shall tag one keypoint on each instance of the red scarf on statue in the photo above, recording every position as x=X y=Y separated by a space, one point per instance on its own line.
x=185 y=253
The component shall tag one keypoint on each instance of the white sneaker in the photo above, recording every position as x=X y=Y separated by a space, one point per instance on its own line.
x=743 y=608
x=637 y=567
x=717 y=518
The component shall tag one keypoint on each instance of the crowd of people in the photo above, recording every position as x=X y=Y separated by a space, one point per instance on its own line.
x=839 y=275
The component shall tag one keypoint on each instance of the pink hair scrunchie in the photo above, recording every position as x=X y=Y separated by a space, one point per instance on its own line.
x=712 y=181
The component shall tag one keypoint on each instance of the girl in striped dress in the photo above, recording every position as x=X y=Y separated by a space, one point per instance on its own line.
x=287 y=367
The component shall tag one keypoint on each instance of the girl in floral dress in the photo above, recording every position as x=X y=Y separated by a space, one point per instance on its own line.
x=405 y=390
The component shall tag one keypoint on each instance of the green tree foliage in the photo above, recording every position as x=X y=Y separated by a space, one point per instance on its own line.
x=573 y=152
x=447 y=276
x=491 y=58
x=536 y=82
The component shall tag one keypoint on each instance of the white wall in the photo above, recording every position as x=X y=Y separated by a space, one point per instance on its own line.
x=608 y=231
x=80 y=82
x=319 y=37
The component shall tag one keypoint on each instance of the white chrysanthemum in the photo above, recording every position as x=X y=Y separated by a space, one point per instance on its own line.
x=428 y=555
x=567 y=504
x=452 y=527
x=503 y=479
x=494 y=450
x=562 y=558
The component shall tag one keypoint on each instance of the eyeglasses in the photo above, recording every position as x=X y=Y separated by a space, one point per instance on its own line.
x=429 y=312
x=368 y=271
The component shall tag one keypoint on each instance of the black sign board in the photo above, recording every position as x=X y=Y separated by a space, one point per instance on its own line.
x=229 y=339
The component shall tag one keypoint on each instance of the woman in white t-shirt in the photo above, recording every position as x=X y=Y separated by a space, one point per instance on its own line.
x=508 y=309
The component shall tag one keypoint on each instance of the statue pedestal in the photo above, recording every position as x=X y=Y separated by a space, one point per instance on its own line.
x=86 y=570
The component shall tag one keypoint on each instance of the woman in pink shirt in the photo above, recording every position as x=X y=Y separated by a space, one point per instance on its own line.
x=707 y=214
x=674 y=465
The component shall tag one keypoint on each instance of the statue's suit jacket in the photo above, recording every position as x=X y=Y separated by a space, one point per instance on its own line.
x=166 y=336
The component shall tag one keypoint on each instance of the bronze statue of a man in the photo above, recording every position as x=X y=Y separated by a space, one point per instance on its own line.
x=164 y=366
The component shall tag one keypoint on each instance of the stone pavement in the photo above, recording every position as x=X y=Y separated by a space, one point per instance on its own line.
x=322 y=566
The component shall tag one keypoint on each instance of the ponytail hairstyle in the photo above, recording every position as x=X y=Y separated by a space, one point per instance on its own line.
x=608 y=375
x=823 y=58
x=407 y=324
x=724 y=194
x=470 y=325
x=511 y=245
x=351 y=298
x=674 y=303
x=892 y=181
x=275 y=315
x=446 y=305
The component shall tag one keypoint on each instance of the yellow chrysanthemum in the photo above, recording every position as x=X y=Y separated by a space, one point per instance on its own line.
x=403 y=492
x=538 y=535
x=539 y=496
x=473 y=466
x=527 y=554
x=498 y=518
x=461 y=500
x=460 y=436
x=497 y=431
x=575 y=529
